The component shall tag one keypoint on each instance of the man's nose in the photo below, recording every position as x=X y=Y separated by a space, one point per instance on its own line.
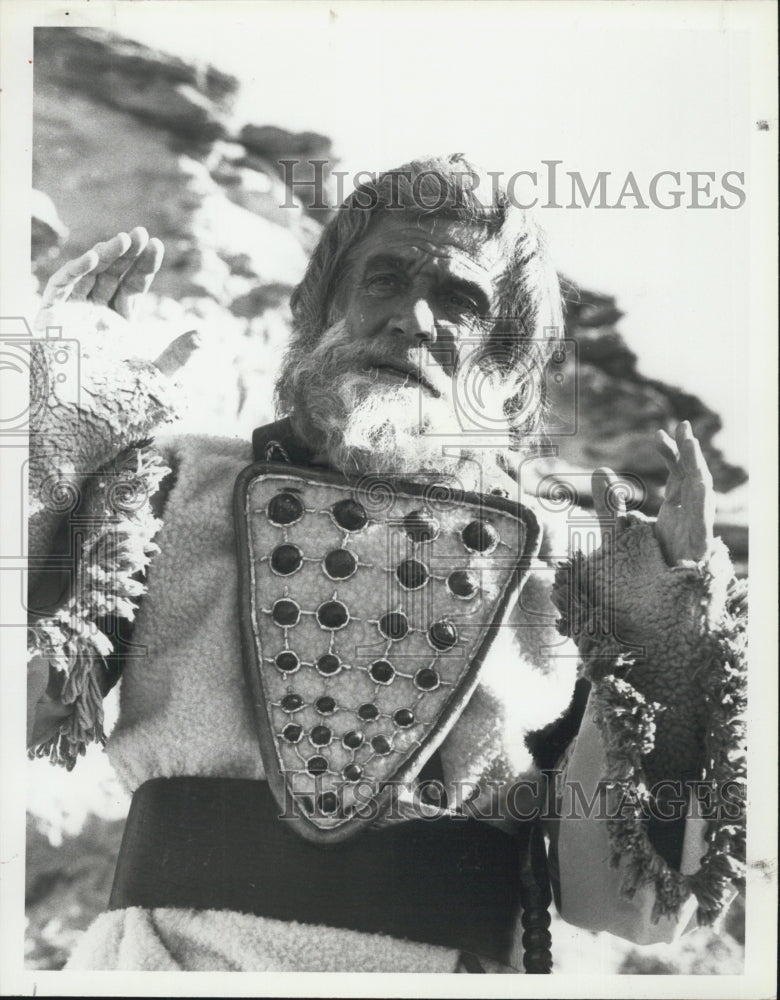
x=417 y=322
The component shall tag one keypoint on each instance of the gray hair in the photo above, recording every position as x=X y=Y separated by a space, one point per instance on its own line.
x=529 y=314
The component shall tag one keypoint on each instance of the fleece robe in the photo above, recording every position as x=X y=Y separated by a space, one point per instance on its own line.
x=185 y=710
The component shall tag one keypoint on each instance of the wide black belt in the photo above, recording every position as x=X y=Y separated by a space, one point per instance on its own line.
x=218 y=843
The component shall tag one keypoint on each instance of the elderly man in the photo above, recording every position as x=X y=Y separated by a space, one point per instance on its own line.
x=352 y=708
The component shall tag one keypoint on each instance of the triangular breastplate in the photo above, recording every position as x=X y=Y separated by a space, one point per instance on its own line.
x=367 y=609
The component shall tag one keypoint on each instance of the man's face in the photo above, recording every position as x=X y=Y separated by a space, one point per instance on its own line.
x=411 y=311
x=413 y=298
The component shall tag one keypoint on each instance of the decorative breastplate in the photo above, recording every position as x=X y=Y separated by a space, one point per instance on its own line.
x=367 y=609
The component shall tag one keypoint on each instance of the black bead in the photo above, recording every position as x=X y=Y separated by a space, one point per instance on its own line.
x=381 y=745
x=382 y=672
x=292 y=702
x=329 y=664
x=353 y=772
x=426 y=679
x=316 y=765
x=286 y=612
x=394 y=625
x=325 y=705
x=480 y=536
x=463 y=583
x=332 y=614
x=286 y=559
x=368 y=712
x=411 y=574
x=352 y=740
x=328 y=802
x=421 y=527
x=287 y=661
x=285 y=508
x=403 y=718
x=340 y=564
x=442 y=635
x=349 y=515
x=292 y=732
x=320 y=736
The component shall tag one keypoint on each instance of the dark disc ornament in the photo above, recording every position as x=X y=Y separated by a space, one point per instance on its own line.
x=286 y=612
x=411 y=574
x=285 y=508
x=286 y=559
x=329 y=664
x=442 y=635
x=403 y=718
x=394 y=625
x=340 y=564
x=287 y=661
x=420 y=527
x=381 y=671
x=353 y=739
x=332 y=615
x=381 y=745
x=426 y=679
x=320 y=736
x=480 y=536
x=349 y=515
x=463 y=583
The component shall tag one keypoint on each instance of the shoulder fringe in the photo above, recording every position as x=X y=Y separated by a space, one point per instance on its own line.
x=115 y=515
x=627 y=722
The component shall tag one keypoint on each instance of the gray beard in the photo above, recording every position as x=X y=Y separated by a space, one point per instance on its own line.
x=363 y=427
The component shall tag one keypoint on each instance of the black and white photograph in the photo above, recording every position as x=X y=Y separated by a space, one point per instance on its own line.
x=388 y=410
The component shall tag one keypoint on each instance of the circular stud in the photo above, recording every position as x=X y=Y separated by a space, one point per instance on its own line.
x=286 y=612
x=328 y=664
x=463 y=583
x=349 y=515
x=480 y=536
x=287 y=661
x=420 y=527
x=285 y=508
x=286 y=560
x=411 y=574
x=442 y=635
x=394 y=625
x=426 y=679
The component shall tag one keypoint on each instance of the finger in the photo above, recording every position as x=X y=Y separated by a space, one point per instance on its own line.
x=667 y=449
x=83 y=287
x=109 y=272
x=608 y=497
x=176 y=354
x=693 y=461
x=138 y=279
x=62 y=282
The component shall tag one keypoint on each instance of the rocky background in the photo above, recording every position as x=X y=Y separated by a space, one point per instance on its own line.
x=127 y=136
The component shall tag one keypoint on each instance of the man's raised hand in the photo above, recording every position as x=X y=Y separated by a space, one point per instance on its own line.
x=686 y=520
x=115 y=273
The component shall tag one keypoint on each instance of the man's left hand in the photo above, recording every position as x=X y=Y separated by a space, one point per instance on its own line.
x=685 y=522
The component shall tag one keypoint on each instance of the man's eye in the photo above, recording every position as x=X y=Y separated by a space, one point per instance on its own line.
x=461 y=303
x=382 y=284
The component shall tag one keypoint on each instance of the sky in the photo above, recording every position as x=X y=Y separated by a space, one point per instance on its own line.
x=513 y=85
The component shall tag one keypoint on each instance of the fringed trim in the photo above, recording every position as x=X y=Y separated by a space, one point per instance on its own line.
x=117 y=545
x=627 y=722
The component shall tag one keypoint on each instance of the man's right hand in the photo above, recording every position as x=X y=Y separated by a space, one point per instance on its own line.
x=116 y=274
